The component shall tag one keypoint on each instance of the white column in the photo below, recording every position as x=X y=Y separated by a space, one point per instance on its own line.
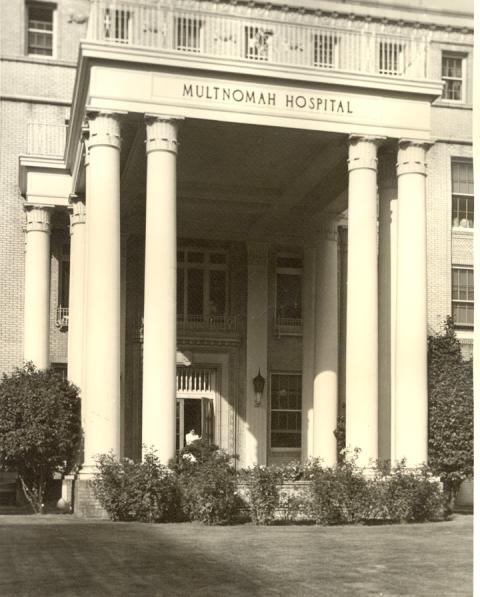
x=361 y=417
x=387 y=188
x=37 y=286
x=411 y=397
x=325 y=388
x=101 y=395
x=257 y=349
x=76 y=291
x=160 y=320
x=308 y=348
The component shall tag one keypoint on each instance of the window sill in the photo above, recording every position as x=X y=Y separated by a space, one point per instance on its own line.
x=48 y=60
x=285 y=449
x=462 y=231
x=449 y=104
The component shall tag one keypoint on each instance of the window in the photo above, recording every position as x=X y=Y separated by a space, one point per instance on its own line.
x=257 y=43
x=452 y=76
x=202 y=286
x=390 y=58
x=189 y=34
x=324 y=50
x=462 y=296
x=63 y=287
x=40 y=30
x=286 y=410
x=117 y=25
x=288 y=295
x=462 y=194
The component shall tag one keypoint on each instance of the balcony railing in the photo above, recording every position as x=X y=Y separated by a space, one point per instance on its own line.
x=224 y=323
x=252 y=34
x=288 y=326
x=62 y=318
x=46 y=139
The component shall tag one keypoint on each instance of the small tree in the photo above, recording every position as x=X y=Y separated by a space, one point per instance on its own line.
x=450 y=381
x=40 y=428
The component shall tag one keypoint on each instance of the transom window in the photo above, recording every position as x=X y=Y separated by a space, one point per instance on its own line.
x=40 y=30
x=288 y=299
x=452 y=76
x=286 y=410
x=462 y=194
x=201 y=285
x=462 y=296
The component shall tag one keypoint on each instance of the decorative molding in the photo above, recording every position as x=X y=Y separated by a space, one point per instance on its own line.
x=162 y=133
x=77 y=211
x=207 y=341
x=104 y=129
x=37 y=218
x=362 y=152
x=412 y=157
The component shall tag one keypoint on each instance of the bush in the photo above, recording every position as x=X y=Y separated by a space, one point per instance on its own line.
x=145 y=491
x=450 y=393
x=207 y=482
x=40 y=428
x=340 y=495
x=263 y=494
x=406 y=496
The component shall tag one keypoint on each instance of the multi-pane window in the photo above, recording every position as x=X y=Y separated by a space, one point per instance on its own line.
x=188 y=32
x=117 y=25
x=288 y=293
x=257 y=42
x=462 y=296
x=286 y=410
x=452 y=76
x=391 y=57
x=462 y=194
x=324 y=50
x=201 y=285
x=40 y=29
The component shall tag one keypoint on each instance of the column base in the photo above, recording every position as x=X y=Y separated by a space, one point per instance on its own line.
x=85 y=504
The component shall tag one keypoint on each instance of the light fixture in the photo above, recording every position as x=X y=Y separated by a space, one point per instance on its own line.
x=258 y=386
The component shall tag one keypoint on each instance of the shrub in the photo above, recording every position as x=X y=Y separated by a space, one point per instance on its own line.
x=40 y=428
x=263 y=494
x=450 y=389
x=145 y=491
x=207 y=483
x=406 y=496
x=340 y=495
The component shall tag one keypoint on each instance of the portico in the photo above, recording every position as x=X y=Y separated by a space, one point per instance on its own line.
x=207 y=212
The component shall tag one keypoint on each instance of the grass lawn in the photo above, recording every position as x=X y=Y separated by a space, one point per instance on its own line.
x=62 y=555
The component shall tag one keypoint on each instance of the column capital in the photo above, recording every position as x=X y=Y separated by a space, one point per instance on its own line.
x=77 y=211
x=104 y=129
x=412 y=156
x=362 y=151
x=162 y=132
x=37 y=218
x=328 y=229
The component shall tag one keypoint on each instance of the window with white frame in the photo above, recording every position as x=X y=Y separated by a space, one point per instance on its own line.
x=288 y=293
x=285 y=410
x=40 y=19
x=391 y=59
x=202 y=289
x=462 y=193
x=453 y=77
x=462 y=296
x=189 y=34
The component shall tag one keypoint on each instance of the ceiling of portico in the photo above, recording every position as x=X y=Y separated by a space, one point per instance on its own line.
x=241 y=181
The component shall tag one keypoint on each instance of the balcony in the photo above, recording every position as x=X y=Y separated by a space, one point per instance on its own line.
x=46 y=140
x=264 y=36
x=288 y=326
x=218 y=323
